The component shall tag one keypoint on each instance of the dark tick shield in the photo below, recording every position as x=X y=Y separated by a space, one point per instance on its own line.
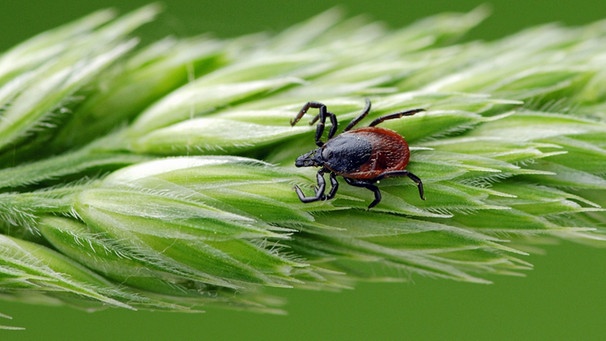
x=361 y=156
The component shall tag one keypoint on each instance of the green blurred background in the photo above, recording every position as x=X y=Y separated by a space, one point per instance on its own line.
x=564 y=298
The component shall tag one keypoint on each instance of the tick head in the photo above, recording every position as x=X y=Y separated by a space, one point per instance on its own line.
x=311 y=159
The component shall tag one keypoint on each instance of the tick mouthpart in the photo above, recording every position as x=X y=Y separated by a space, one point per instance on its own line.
x=307 y=160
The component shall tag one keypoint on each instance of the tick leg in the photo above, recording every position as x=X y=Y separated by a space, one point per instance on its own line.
x=360 y=117
x=319 y=190
x=335 y=185
x=305 y=108
x=394 y=116
x=322 y=115
x=412 y=177
x=369 y=185
x=320 y=127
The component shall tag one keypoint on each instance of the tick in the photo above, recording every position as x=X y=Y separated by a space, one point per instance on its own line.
x=362 y=156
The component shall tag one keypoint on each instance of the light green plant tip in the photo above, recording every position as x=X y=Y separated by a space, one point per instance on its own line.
x=161 y=177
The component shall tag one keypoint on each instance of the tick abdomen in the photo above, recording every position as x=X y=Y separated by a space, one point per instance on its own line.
x=365 y=153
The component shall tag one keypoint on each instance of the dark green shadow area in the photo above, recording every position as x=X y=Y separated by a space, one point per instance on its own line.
x=563 y=299
x=21 y=20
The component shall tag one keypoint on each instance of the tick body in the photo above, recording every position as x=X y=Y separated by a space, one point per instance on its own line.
x=362 y=156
